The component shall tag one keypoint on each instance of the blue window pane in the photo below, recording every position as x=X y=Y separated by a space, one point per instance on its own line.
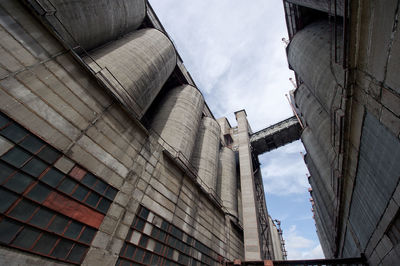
x=100 y=186
x=52 y=177
x=5 y=171
x=80 y=193
x=26 y=238
x=49 y=154
x=62 y=249
x=6 y=199
x=143 y=241
x=87 y=235
x=34 y=167
x=23 y=210
x=59 y=224
x=8 y=230
x=14 y=132
x=45 y=243
x=77 y=253
x=144 y=213
x=16 y=157
x=19 y=182
x=3 y=120
x=139 y=255
x=104 y=205
x=89 y=180
x=74 y=229
x=93 y=199
x=42 y=218
x=39 y=193
x=32 y=143
x=130 y=250
x=111 y=193
x=67 y=185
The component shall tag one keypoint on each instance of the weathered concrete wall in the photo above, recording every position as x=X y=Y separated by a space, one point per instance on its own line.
x=369 y=116
x=379 y=157
x=46 y=91
x=136 y=87
x=178 y=118
x=374 y=58
x=94 y=23
x=206 y=152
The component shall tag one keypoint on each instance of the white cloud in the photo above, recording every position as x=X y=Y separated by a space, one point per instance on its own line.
x=300 y=247
x=284 y=171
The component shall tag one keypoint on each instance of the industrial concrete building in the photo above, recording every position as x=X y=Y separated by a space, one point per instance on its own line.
x=346 y=56
x=109 y=154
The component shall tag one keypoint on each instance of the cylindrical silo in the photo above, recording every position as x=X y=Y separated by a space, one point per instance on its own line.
x=321 y=163
x=206 y=151
x=178 y=117
x=136 y=66
x=317 y=119
x=227 y=180
x=95 y=22
x=311 y=55
x=327 y=6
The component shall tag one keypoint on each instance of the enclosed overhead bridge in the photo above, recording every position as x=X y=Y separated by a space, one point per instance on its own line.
x=275 y=136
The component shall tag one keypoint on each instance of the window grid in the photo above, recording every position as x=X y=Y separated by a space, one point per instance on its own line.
x=48 y=229
x=94 y=186
x=27 y=178
x=162 y=244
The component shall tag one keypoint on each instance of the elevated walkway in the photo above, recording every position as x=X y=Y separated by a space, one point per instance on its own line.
x=275 y=136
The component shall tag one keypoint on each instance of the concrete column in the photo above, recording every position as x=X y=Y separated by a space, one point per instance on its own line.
x=250 y=228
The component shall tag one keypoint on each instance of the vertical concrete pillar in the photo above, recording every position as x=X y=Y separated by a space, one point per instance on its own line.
x=250 y=228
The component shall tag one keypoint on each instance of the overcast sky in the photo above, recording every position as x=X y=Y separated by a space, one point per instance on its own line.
x=234 y=52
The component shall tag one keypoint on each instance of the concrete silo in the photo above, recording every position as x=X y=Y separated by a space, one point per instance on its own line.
x=205 y=154
x=178 y=117
x=136 y=84
x=93 y=23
